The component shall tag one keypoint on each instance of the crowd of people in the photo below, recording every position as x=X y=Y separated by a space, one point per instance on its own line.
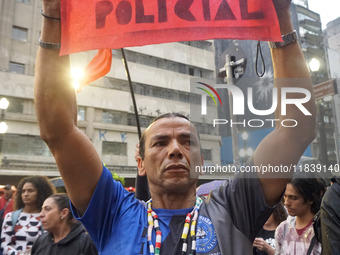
x=44 y=224
x=40 y=221
x=290 y=228
x=295 y=234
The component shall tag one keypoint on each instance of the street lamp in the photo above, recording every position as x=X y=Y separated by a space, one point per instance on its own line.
x=250 y=152
x=244 y=151
x=3 y=106
x=314 y=65
x=245 y=154
x=244 y=136
x=3 y=126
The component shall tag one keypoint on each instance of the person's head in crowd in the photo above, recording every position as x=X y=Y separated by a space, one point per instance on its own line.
x=8 y=191
x=333 y=179
x=304 y=192
x=264 y=242
x=55 y=211
x=64 y=234
x=32 y=191
x=279 y=214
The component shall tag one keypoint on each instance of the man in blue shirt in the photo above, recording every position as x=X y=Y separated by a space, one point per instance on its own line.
x=227 y=222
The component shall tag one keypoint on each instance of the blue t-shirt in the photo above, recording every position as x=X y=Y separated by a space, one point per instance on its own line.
x=229 y=220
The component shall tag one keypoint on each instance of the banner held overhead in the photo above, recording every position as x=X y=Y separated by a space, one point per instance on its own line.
x=113 y=24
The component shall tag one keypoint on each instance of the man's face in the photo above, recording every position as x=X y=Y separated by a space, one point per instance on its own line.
x=295 y=203
x=172 y=150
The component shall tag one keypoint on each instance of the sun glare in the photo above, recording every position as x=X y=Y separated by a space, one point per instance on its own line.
x=77 y=74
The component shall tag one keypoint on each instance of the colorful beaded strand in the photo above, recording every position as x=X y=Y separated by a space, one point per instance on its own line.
x=150 y=227
x=185 y=233
x=193 y=225
x=153 y=223
x=154 y=250
x=193 y=232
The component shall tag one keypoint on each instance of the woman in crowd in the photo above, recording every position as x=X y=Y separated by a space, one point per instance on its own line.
x=64 y=235
x=302 y=198
x=264 y=243
x=22 y=227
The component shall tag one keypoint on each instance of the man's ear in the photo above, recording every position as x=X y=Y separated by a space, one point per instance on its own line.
x=141 y=168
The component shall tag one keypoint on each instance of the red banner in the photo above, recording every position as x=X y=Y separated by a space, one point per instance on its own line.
x=105 y=24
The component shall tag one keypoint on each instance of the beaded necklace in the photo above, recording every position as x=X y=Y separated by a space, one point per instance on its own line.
x=153 y=223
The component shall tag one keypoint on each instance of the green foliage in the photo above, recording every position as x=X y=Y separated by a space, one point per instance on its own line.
x=116 y=177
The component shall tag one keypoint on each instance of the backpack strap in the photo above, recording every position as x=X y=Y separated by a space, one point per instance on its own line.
x=9 y=200
x=311 y=246
x=2 y=211
x=15 y=217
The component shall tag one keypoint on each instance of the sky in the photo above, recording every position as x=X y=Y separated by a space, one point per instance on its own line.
x=328 y=10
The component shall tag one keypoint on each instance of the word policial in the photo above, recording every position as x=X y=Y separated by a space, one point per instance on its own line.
x=161 y=11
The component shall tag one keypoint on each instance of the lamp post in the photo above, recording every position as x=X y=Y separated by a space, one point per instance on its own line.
x=234 y=64
x=244 y=138
x=314 y=66
x=245 y=152
x=3 y=126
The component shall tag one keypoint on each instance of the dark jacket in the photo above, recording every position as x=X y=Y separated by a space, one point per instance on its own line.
x=77 y=242
x=330 y=220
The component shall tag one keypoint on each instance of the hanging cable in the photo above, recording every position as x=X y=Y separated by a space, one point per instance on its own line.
x=259 y=50
x=142 y=188
x=132 y=93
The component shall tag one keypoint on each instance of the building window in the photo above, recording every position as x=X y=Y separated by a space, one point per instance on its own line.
x=144 y=121
x=114 y=148
x=25 y=145
x=19 y=33
x=114 y=117
x=23 y=1
x=164 y=64
x=184 y=97
x=206 y=154
x=81 y=113
x=204 y=128
x=16 y=67
x=15 y=104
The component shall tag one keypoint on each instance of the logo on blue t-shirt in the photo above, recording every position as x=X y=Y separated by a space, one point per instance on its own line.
x=205 y=237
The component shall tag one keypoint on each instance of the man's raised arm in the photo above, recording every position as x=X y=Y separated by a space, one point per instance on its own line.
x=56 y=108
x=285 y=145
